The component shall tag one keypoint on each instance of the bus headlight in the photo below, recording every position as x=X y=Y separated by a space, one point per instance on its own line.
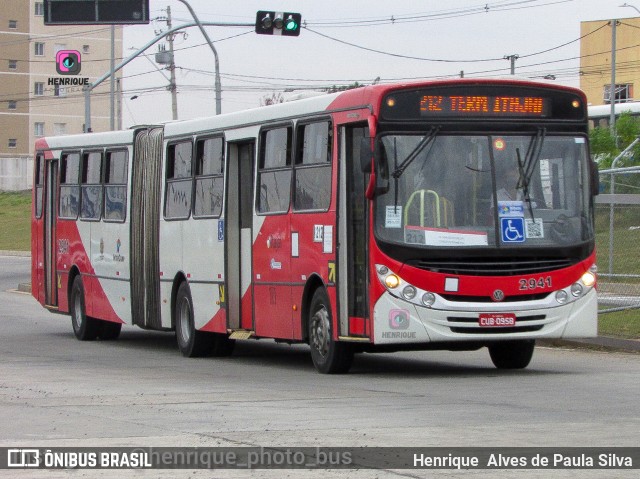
x=409 y=292
x=428 y=299
x=576 y=289
x=392 y=281
x=562 y=296
x=588 y=279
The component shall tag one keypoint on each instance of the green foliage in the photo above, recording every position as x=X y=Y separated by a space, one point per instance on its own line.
x=627 y=129
x=15 y=221
x=605 y=148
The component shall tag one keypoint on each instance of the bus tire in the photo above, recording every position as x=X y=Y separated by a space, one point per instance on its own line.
x=109 y=330
x=512 y=354
x=84 y=327
x=328 y=355
x=192 y=343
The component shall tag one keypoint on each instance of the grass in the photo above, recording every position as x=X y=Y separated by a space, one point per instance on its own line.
x=621 y=324
x=626 y=236
x=15 y=221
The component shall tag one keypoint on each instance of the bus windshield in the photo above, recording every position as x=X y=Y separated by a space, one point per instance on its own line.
x=483 y=191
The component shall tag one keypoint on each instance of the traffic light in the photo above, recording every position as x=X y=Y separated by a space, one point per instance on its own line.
x=278 y=23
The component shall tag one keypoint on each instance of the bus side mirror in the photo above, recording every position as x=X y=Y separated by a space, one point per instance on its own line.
x=595 y=179
x=366 y=155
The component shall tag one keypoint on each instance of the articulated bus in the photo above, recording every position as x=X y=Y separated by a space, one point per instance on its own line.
x=440 y=215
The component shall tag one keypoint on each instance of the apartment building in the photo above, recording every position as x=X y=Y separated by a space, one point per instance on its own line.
x=595 y=60
x=32 y=102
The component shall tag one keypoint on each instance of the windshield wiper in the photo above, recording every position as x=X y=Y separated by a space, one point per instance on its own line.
x=527 y=167
x=428 y=139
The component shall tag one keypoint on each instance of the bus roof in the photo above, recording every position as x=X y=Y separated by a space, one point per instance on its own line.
x=84 y=140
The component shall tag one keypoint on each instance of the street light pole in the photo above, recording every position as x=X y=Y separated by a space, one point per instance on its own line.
x=90 y=87
x=218 y=86
x=625 y=4
x=612 y=88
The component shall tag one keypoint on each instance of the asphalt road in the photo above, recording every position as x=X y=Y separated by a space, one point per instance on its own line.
x=138 y=391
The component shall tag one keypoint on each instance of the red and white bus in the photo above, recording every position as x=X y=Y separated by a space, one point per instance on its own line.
x=373 y=219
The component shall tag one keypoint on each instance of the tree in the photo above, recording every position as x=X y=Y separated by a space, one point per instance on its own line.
x=335 y=89
x=272 y=99
x=605 y=148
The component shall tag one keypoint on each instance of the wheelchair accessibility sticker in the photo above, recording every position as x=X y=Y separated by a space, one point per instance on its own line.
x=512 y=230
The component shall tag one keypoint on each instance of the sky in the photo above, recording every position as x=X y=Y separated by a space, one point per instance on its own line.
x=348 y=41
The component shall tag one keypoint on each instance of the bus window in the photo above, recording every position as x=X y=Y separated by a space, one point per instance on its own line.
x=115 y=186
x=177 y=203
x=275 y=171
x=91 y=204
x=313 y=167
x=69 y=187
x=209 y=177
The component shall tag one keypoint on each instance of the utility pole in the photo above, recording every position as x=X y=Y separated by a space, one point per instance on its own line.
x=112 y=87
x=172 y=69
x=612 y=87
x=513 y=59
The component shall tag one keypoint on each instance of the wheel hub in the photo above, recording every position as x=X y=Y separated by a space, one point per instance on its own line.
x=320 y=330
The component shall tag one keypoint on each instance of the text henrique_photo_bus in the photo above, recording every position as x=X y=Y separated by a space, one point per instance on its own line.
x=435 y=215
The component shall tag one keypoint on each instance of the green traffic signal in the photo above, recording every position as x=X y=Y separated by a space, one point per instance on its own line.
x=291 y=24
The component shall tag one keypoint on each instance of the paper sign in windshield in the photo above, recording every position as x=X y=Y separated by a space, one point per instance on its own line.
x=393 y=217
x=444 y=237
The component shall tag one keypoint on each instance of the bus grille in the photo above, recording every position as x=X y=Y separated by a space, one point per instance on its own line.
x=491 y=267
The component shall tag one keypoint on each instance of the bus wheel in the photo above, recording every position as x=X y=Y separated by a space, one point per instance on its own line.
x=109 y=330
x=512 y=354
x=329 y=356
x=84 y=327
x=192 y=343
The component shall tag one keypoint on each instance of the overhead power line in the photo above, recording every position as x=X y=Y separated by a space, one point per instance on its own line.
x=479 y=9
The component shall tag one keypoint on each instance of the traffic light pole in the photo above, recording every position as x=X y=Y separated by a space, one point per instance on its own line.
x=87 y=91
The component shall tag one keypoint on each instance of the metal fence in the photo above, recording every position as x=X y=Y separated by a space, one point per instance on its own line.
x=618 y=239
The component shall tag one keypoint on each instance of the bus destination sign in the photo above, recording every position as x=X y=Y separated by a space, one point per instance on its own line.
x=482 y=105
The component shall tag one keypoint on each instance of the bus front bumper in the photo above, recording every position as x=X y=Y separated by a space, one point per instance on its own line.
x=400 y=322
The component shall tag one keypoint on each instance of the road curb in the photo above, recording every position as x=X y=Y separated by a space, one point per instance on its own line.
x=601 y=342
x=24 y=254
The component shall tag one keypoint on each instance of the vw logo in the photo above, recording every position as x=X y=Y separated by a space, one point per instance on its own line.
x=498 y=295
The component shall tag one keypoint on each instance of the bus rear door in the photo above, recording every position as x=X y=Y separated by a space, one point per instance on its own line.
x=239 y=234
x=49 y=225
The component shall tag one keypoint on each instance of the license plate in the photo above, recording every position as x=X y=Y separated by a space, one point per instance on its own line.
x=497 y=320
